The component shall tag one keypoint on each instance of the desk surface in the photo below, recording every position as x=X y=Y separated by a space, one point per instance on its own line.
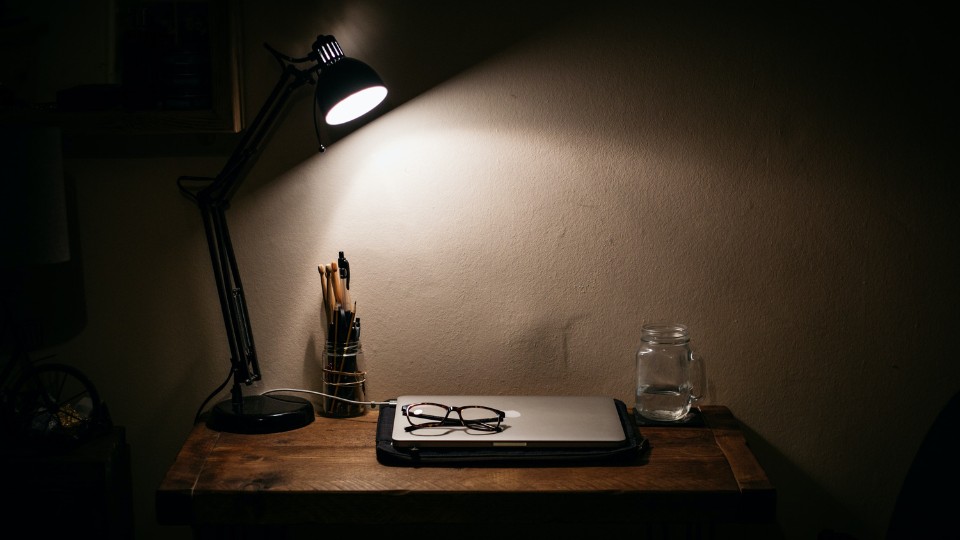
x=328 y=472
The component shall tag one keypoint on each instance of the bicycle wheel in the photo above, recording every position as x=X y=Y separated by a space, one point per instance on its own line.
x=57 y=403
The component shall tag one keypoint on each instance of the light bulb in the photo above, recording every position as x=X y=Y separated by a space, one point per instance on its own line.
x=355 y=105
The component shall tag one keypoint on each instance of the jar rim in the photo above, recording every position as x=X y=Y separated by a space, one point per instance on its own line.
x=664 y=330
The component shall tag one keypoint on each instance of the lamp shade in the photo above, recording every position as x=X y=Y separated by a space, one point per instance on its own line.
x=346 y=87
x=33 y=215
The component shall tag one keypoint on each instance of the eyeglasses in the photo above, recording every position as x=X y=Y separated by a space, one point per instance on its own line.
x=476 y=417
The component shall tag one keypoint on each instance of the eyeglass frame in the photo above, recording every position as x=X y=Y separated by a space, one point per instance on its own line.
x=479 y=425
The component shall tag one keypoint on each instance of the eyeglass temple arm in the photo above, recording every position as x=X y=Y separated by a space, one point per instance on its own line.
x=473 y=425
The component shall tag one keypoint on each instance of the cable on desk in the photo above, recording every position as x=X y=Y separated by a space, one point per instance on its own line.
x=314 y=392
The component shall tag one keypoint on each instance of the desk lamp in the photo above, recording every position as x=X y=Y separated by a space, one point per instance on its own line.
x=345 y=89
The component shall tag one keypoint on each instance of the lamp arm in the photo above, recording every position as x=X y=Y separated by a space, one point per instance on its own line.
x=213 y=200
x=233 y=172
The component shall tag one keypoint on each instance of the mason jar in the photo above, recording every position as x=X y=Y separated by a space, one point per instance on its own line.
x=344 y=383
x=670 y=378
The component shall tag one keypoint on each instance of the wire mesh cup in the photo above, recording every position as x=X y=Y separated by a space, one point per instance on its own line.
x=343 y=380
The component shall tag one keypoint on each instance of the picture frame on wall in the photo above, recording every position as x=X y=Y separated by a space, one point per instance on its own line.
x=125 y=67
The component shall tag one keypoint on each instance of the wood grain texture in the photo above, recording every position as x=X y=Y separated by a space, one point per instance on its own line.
x=328 y=472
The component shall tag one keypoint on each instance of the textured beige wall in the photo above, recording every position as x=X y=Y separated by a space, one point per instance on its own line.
x=771 y=180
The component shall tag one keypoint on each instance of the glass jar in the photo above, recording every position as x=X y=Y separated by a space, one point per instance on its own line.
x=343 y=381
x=670 y=378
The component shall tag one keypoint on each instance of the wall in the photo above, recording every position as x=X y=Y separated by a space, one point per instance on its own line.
x=543 y=182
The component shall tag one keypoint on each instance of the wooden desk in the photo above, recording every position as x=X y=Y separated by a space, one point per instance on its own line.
x=327 y=473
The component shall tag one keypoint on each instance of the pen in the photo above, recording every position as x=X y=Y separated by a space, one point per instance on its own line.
x=343 y=326
x=344 y=269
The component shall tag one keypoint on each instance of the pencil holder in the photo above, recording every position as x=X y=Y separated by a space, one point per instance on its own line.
x=343 y=379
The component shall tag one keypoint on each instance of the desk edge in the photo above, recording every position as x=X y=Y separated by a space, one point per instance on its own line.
x=758 y=492
x=173 y=499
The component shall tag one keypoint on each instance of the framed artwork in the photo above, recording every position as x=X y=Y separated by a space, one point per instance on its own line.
x=176 y=69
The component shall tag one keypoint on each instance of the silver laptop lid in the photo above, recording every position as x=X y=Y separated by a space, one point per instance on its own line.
x=529 y=421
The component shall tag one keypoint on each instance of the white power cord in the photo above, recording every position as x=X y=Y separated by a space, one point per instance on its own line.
x=371 y=403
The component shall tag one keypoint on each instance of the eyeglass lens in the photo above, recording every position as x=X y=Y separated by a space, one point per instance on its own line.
x=424 y=414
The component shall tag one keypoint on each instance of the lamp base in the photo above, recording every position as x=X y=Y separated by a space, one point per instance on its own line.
x=262 y=414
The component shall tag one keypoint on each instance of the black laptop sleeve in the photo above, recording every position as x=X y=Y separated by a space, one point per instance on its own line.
x=388 y=454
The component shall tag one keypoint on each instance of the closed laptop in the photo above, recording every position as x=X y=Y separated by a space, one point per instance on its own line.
x=458 y=421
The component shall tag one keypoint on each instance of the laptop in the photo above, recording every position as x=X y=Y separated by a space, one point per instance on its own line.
x=528 y=421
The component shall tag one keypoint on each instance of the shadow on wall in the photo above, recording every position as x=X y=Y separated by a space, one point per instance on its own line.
x=436 y=42
x=794 y=502
x=923 y=509
x=412 y=46
x=926 y=506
